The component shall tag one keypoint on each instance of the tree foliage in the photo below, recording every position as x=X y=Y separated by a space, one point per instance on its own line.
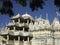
x=22 y=2
x=34 y=4
x=7 y=5
x=57 y=3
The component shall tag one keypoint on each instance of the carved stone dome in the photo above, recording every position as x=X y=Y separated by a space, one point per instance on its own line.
x=27 y=16
x=17 y=16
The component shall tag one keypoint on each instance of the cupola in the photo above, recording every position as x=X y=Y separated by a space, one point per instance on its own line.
x=17 y=16
x=27 y=16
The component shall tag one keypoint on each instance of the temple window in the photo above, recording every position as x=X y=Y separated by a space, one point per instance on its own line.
x=11 y=38
x=29 y=21
x=26 y=30
x=16 y=20
x=19 y=28
x=11 y=28
x=16 y=37
x=21 y=20
x=26 y=21
x=25 y=38
x=21 y=38
x=13 y=21
x=5 y=36
x=3 y=41
x=33 y=22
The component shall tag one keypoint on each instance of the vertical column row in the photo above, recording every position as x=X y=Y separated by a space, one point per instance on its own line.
x=7 y=39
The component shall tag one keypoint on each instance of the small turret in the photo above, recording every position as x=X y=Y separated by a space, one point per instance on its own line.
x=17 y=16
x=27 y=18
x=47 y=23
x=56 y=23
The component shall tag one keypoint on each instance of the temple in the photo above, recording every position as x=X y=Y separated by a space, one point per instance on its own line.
x=25 y=30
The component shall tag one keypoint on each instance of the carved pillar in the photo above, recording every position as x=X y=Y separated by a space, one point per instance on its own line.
x=53 y=38
x=53 y=31
x=7 y=38
x=14 y=40
x=23 y=41
x=23 y=28
x=19 y=39
x=31 y=22
x=18 y=20
x=28 y=39
x=14 y=28
x=27 y=21
x=8 y=28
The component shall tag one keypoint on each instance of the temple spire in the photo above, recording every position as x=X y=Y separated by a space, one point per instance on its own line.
x=40 y=16
x=56 y=17
x=46 y=15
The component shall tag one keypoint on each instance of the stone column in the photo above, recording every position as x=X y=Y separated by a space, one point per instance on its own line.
x=46 y=41
x=31 y=22
x=8 y=28
x=14 y=28
x=19 y=40
x=18 y=20
x=23 y=28
x=23 y=41
x=27 y=21
x=14 y=41
x=7 y=38
x=28 y=39
x=53 y=37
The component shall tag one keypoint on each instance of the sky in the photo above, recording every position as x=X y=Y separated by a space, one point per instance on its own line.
x=49 y=8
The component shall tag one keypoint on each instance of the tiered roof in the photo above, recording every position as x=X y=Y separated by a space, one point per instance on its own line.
x=39 y=23
x=56 y=23
x=11 y=24
x=27 y=16
x=17 y=16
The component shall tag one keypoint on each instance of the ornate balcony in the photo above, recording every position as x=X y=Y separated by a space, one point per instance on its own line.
x=10 y=24
x=15 y=33
x=21 y=24
x=5 y=32
x=25 y=33
x=19 y=33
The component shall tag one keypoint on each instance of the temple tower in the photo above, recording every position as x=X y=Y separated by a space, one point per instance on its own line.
x=17 y=31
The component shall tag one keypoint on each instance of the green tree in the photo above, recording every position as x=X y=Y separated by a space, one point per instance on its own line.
x=7 y=5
